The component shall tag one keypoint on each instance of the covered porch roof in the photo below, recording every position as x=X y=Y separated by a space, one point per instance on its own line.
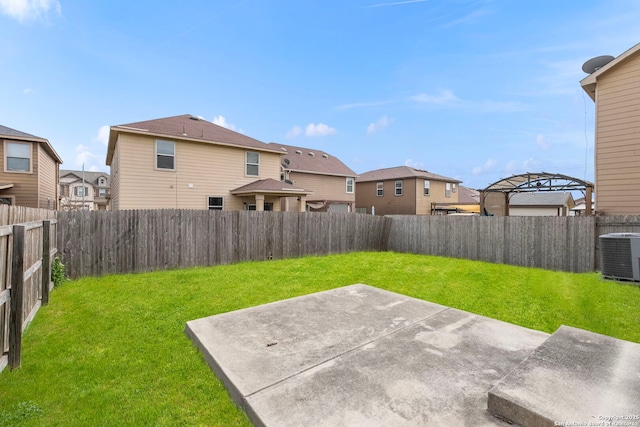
x=270 y=187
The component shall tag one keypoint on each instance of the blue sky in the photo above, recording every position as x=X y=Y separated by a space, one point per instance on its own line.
x=474 y=90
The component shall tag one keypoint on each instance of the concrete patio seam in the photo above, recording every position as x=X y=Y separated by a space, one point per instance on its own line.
x=351 y=350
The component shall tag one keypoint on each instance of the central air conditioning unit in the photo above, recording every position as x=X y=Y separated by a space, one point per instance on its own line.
x=620 y=256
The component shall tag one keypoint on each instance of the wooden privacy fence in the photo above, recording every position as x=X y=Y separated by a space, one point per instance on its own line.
x=94 y=243
x=101 y=242
x=555 y=243
x=26 y=251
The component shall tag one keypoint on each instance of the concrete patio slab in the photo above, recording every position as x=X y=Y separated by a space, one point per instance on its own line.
x=359 y=355
x=576 y=378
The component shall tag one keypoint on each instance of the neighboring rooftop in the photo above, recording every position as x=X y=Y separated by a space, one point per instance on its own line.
x=269 y=185
x=468 y=195
x=400 y=172
x=186 y=127
x=549 y=198
x=90 y=177
x=308 y=160
x=9 y=133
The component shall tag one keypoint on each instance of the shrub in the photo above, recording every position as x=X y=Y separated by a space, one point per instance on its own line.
x=58 y=274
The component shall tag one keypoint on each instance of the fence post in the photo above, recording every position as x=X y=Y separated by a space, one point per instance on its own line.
x=46 y=260
x=17 y=278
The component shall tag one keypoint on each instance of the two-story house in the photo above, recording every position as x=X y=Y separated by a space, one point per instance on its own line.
x=332 y=182
x=615 y=89
x=30 y=170
x=84 y=190
x=404 y=190
x=187 y=162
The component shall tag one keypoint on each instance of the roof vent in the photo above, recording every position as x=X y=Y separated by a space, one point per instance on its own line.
x=198 y=118
x=312 y=154
x=298 y=152
x=326 y=156
x=283 y=149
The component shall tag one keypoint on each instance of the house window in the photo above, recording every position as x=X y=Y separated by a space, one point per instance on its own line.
x=17 y=157
x=165 y=155
x=380 y=189
x=253 y=163
x=447 y=189
x=399 y=188
x=102 y=192
x=427 y=187
x=453 y=187
x=81 y=191
x=216 y=203
x=6 y=200
x=349 y=185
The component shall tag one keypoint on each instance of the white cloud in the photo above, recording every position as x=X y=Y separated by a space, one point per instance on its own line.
x=319 y=130
x=103 y=135
x=363 y=104
x=86 y=157
x=394 y=3
x=412 y=164
x=28 y=91
x=445 y=97
x=24 y=10
x=516 y=167
x=543 y=142
x=383 y=122
x=294 y=132
x=486 y=167
x=221 y=121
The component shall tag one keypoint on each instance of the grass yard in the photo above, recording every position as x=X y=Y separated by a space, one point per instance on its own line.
x=112 y=350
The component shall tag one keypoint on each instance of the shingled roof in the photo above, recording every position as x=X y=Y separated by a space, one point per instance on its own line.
x=189 y=128
x=308 y=160
x=400 y=172
x=8 y=133
x=270 y=186
x=91 y=177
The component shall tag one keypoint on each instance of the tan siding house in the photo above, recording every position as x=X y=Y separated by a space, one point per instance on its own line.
x=30 y=170
x=615 y=88
x=332 y=182
x=186 y=162
x=404 y=190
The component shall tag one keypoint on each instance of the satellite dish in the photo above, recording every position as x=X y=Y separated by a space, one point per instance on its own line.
x=594 y=64
x=288 y=181
x=287 y=161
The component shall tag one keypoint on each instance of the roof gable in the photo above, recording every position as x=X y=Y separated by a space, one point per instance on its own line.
x=589 y=83
x=307 y=160
x=9 y=133
x=401 y=172
x=90 y=177
x=188 y=128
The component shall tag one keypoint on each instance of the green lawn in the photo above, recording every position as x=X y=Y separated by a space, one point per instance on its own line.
x=112 y=350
